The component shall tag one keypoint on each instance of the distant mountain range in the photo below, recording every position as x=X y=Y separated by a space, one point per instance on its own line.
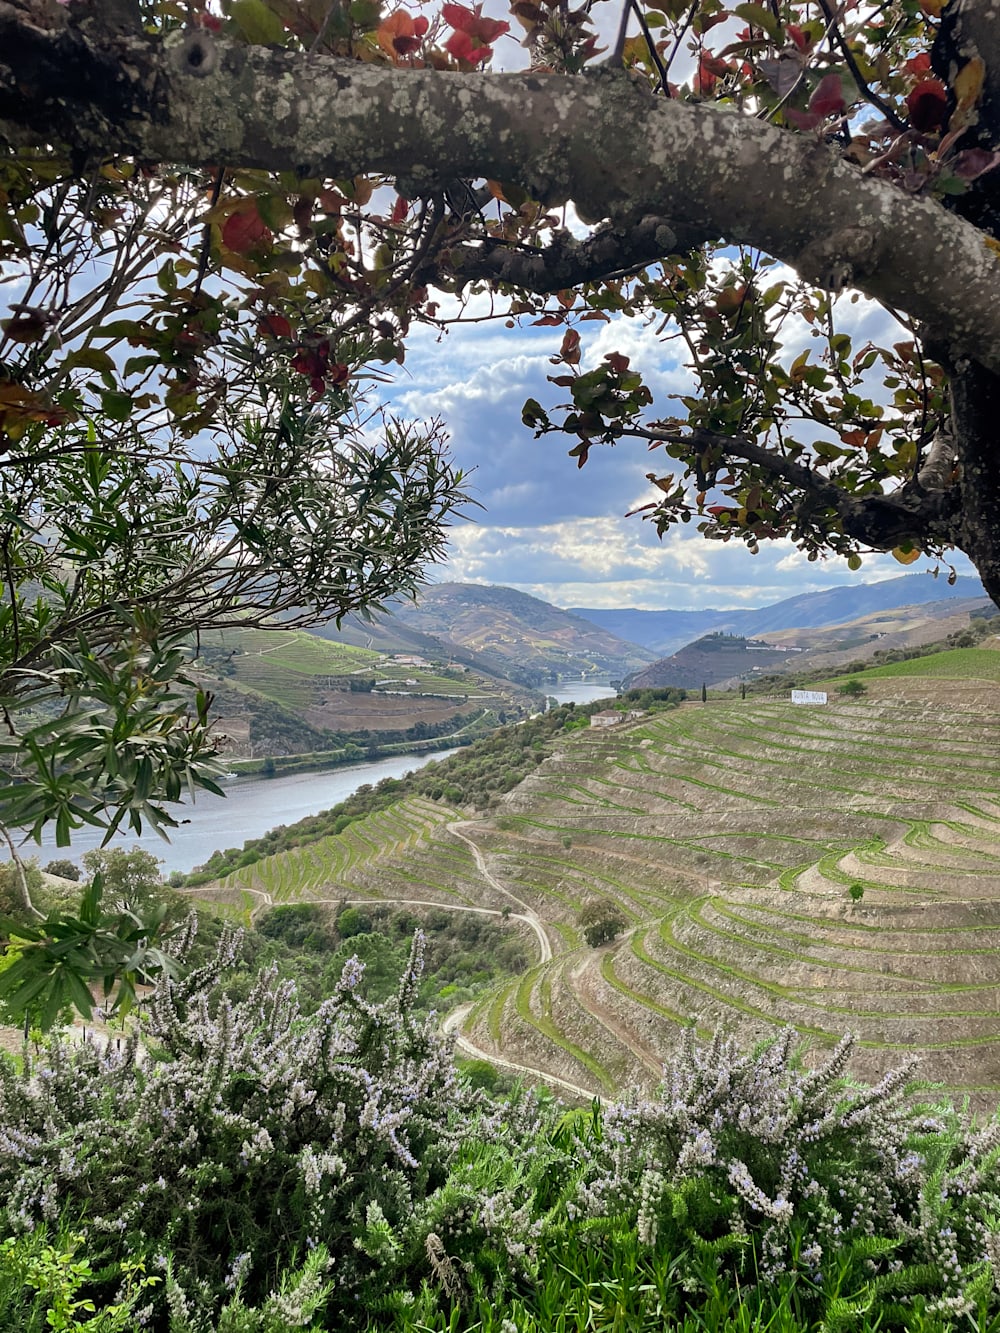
x=666 y=631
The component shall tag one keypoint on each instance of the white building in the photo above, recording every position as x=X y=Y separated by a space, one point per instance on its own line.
x=605 y=719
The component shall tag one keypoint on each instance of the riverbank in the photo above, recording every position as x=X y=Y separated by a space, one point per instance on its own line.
x=320 y=761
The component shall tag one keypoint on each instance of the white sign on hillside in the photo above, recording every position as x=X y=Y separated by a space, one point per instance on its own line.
x=808 y=696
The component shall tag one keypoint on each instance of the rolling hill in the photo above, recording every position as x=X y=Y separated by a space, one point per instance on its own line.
x=825 y=868
x=509 y=629
x=666 y=631
x=287 y=693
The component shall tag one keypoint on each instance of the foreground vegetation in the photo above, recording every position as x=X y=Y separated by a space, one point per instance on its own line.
x=263 y=1170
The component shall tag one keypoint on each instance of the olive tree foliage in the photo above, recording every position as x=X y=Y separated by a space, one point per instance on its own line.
x=167 y=466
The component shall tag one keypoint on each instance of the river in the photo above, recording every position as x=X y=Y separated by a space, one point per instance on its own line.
x=583 y=691
x=251 y=806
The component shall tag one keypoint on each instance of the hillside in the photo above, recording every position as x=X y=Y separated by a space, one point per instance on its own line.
x=666 y=631
x=286 y=693
x=720 y=659
x=716 y=659
x=830 y=868
x=509 y=628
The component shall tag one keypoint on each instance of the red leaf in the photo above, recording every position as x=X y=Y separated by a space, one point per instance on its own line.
x=274 y=326
x=474 y=33
x=245 y=230
x=803 y=120
x=617 y=362
x=397 y=35
x=714 y=65
x=308 y=362
x=461 y=46
x=920 y=64
x=828 y=99
x=400 y=209
x=927 y=105
x=803 y=40
x=570 y=349
x=474 y=22
x=457 y=16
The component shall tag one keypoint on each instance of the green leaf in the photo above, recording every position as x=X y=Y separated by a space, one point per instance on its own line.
x=90 y=358
x=759 y=17
x=117 y=406
x=258 y=24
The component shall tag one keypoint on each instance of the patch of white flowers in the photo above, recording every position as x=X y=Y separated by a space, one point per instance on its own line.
x=803 y=1160
x=248 y=1133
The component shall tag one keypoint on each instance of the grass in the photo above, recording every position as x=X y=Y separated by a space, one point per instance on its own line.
x=954 y=664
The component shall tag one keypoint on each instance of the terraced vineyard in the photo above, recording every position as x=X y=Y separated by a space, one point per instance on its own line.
x=730 y=836
x=403 y=852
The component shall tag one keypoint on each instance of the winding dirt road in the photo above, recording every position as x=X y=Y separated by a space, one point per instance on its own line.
x=457 y=1017
x=528 y=913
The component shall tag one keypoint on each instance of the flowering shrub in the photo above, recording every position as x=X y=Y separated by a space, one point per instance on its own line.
x=251 y=1170
x=245 y=1137
x=789 y=1169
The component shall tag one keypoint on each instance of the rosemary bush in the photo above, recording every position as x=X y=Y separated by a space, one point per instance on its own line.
x=246 y=1137
x=776 y=1170
x=253 y=1170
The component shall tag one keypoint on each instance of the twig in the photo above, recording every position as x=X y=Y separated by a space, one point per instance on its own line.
x=15 y=857
x=859 y=79
x=206 y=236
x=654 y=55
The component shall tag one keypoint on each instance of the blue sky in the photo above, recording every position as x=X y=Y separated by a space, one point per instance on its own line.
x=559 y=532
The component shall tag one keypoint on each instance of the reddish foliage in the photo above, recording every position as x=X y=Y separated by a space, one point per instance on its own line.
x=570 y=349
x=474 y=33
x=314 y=362
x=803 y=40
x=927 y=105
x=245 y=230
x=274 y=326
x=400 y=34
x=919 y=65
x=828 y=99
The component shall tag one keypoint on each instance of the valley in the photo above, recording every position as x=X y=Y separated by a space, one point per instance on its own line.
x=830 y=868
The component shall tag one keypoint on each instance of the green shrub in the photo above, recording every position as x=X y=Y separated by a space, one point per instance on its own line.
x=65 y=869
x=248 y=1131
x=601 y=921
x=853 y=688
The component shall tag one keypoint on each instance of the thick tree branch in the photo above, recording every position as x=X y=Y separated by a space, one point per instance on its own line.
x=600 y=139
x=565 y=261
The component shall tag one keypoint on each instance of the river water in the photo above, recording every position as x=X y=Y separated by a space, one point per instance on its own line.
x=253 y=805
x=584 y=691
